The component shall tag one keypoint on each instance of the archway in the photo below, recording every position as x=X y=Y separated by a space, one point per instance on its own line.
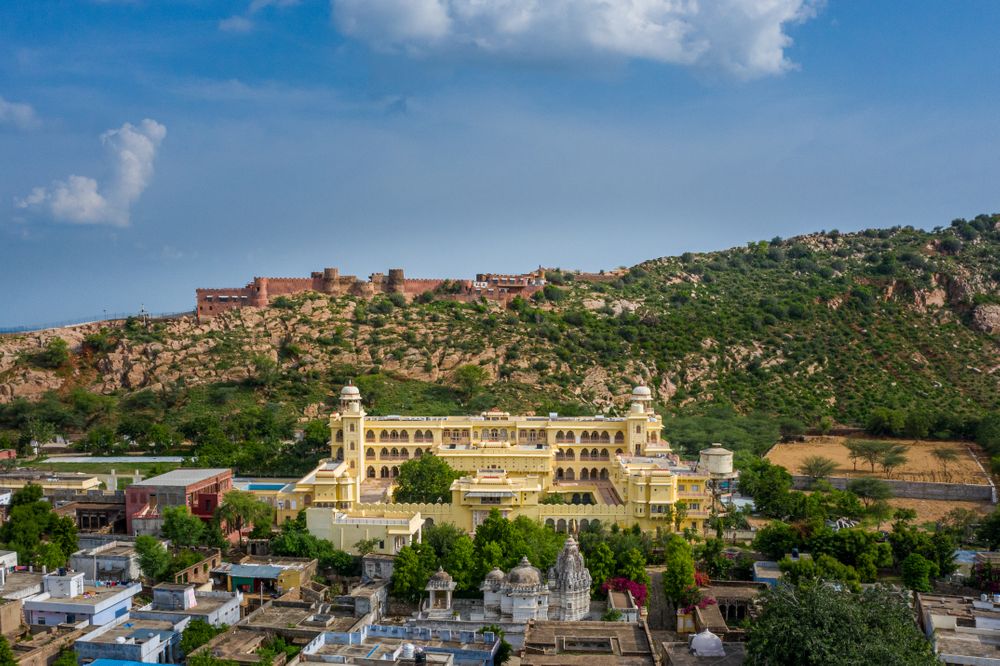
x=371 y=472
x=570 y=475
x=604 y=474
x=395 y=472
x=584 y=474
x=561 y=525
x=576 y=498
x=559 y=473
x=384 y=473
x=370 y=453
x=593 y=472
x=550 y=523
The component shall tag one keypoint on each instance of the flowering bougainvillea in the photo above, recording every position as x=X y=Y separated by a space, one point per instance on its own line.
x=638 y=590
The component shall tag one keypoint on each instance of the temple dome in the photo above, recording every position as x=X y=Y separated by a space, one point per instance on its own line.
x=496 y=575
x=441 y=577
x=524 y=575
x=350 y=391
x=707 y=644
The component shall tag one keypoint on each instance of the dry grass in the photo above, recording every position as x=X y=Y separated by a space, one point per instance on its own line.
x=934 y=510
x=921 y=464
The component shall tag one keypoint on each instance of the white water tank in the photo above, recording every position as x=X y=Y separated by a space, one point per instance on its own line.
x=717 y=461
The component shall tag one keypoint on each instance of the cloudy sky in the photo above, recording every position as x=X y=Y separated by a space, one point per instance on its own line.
x=148 y=147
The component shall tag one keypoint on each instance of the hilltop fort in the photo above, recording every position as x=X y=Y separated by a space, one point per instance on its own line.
x=260 y=292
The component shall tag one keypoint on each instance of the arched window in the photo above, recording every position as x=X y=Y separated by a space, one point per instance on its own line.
x=340 y=435
x=394 y=452
x=584 y=474
x=340 y=453
x=417 y=452
x=604 y=454
x=585 y=455
x=594 y=454
x=560 y=437
x=585 y=437
x=618 y=452
x=405 y=453
x=570 y=455
x=619 y=437
x=593 y=472
x=393 y=436
x=370 y=453
x=605 y=437
x=395 y=472
x=371 y=472
x=384 y=473
x=384 y=452
x=383 y=436
x=370 y=436
x=559 y=473
x=604 y=473
x=404 y=436
x=570 y=475
x=428 y=436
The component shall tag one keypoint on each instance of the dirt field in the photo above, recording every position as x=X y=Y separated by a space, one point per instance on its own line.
x=920 y=466
x=934 y=510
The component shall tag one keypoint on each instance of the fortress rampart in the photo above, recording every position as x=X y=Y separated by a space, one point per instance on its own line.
x=263 y=290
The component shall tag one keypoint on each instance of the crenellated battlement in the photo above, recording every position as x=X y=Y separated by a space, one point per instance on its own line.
x=262 y=290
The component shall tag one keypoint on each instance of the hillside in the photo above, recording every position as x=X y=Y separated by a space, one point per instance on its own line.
x=824 y=325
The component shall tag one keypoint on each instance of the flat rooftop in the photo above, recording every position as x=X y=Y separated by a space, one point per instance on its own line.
x=206 y=605
x=91 y=596
x=20 y=583
x=135 y=630
x=183 y=477
x=962 y=644
x=301 y=616
x=570 y=643
x=679 y=654
x=380 y=648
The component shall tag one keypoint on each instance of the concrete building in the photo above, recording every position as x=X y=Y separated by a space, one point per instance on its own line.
x=173 y=602
x=46 y=643
x=264 y=575
x=116 y=561
x=587 y=643
x=963 y=630
x=200 y=490
x=21 y=584
x=376 y=644
x=49 y=481
x=131 y=639
x=65 y=599
x=610 y=469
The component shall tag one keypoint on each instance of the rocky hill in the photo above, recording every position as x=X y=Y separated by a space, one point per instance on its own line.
x=824 y=325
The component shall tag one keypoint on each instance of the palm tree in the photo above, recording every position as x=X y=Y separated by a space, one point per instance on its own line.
x=817 y=467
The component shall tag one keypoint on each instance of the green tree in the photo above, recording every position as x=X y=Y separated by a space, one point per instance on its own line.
x=409 y=577
x=632 y=565
x=601 y=563
x=65 y=658
x=6 y=654
x=425 y=479
x=917 y=572
x=680 y=512
x=365 y=546
x=154 y=560
x=917 y=424
x=945 y=456
x=678 y=577
x=460 y=563
x=890 y=460
x=470 y=379
x=54 y=355
x=240 y=509
x=872 y=452
x=989 y=530
x=817 y=467
x=816 y=625
x=181 y=528
x=197 y=633
x=869 y=490
x=776 y=539
x=505 y=650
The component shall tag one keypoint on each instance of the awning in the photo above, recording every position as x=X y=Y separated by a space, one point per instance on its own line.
x=490 y=493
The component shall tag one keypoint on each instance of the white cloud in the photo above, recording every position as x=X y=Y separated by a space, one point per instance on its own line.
x=80 y=200
x=236 y=24
x=744 y=37
x=18 y=115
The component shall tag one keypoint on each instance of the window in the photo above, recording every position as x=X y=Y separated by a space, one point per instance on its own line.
x=638 y=430
x=694 y=487
x=352 y=427
x=680 y=487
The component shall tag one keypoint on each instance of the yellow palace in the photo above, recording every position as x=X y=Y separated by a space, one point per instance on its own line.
x=615 y=470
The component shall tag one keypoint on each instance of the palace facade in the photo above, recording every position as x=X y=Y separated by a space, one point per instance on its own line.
x=610 y=469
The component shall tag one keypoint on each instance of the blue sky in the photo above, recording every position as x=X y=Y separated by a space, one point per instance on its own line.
x=148 y=148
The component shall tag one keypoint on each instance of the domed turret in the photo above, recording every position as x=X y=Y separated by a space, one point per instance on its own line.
x=440 y=579
x=524 y=575
x=641 y=398
x=350 y=399
x=496 y=575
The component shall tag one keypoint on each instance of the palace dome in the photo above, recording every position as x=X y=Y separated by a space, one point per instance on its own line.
x=350 y=391
x=524 y=575
x=641 y=393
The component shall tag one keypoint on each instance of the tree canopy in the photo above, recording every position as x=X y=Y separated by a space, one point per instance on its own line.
x=817 y=625
x=426 y=479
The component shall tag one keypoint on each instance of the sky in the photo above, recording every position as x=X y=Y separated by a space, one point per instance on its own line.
x=148 y=148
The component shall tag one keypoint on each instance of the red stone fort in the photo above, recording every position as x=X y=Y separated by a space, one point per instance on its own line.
x=260 y=292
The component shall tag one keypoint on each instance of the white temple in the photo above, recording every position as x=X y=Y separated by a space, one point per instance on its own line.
x=523 y=595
